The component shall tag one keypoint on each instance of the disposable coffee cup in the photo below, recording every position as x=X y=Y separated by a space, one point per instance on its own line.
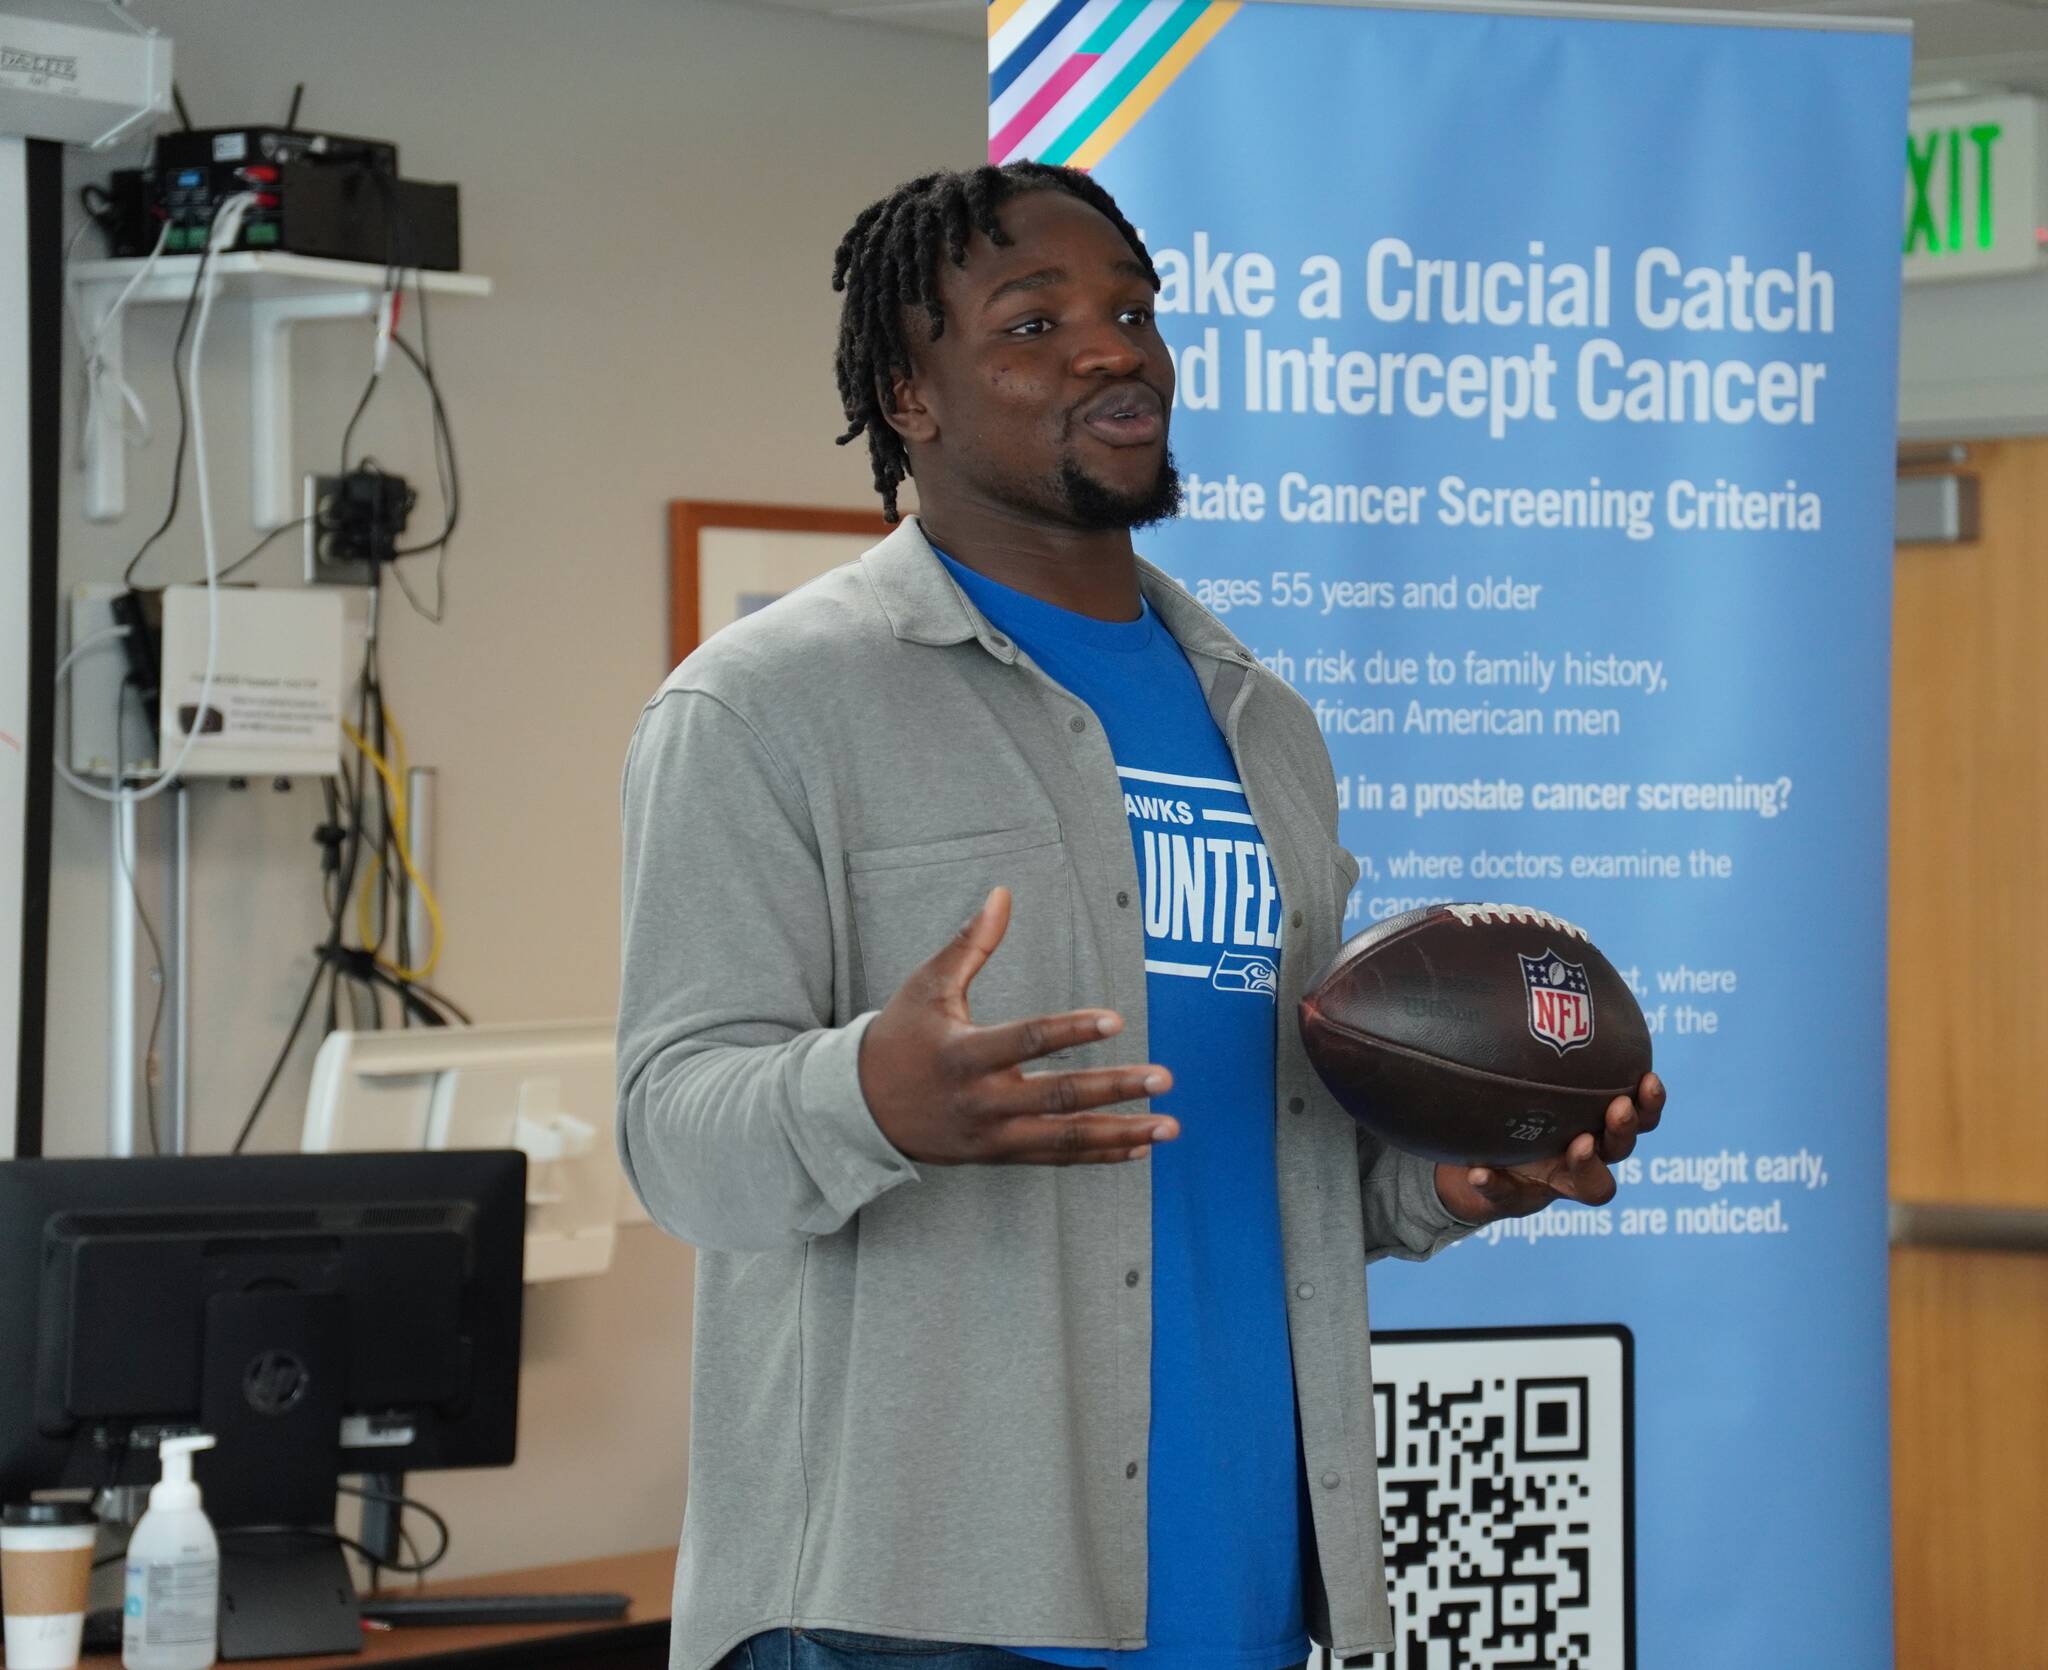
x=45 y=1571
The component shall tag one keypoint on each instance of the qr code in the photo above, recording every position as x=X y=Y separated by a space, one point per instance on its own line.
x=1506 y=1483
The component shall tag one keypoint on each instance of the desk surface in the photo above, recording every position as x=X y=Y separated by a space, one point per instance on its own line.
x=648 y=1578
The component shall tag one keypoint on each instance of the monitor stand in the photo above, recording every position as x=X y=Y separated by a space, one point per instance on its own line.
x=271 y=1393
x=284 y=1596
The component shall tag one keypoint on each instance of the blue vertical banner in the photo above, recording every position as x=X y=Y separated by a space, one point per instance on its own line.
x=1536 y=416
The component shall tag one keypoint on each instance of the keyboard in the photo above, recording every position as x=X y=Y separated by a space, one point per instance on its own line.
x=493 y=1609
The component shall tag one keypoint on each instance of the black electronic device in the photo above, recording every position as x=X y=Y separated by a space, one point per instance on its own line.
x=192 y=171
x=355 y=520
x=320 y=1314
x=318 y=194
x=254 y=148
x=567 y=1608
x=354 y=214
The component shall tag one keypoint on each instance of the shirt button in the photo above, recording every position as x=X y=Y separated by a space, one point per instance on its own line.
x=1297 y=919
x=1131 y=1472
x=999 y=640
x=1130 y=1278
x=1077 y=724
x=1123 y=899
x=1330 y=1481
x=1307 y=1290
x=1244 y=655
x=1295 y=1104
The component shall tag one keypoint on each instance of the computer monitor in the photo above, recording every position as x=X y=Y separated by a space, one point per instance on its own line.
x=321 y=1315
x=547 y=1088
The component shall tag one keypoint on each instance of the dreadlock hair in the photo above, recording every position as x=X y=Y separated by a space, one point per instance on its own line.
x=888 y=262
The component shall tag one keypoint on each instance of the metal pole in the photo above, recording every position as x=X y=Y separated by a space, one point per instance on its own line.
x=121 y=982
x=420 y=783
x=178 y=970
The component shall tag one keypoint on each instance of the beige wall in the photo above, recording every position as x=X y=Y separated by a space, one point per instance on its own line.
x=1972 y=357
x=656 y=187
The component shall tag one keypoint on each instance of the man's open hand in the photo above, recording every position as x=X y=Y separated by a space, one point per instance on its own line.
x=947 y=1092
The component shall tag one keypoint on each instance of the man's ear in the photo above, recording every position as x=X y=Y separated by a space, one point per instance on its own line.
x=913 y=417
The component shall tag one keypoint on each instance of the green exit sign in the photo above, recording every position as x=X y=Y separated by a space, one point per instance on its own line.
x=1974 y=172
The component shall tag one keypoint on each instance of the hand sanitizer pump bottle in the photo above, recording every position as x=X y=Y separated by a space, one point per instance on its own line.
x=171 y=1619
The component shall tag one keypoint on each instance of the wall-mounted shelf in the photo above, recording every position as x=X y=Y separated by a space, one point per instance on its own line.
x=280 y=291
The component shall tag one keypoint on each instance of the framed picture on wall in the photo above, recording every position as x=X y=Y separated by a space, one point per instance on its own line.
x=728 y=559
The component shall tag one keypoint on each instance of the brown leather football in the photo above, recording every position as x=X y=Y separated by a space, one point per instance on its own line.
x=1479 y=1034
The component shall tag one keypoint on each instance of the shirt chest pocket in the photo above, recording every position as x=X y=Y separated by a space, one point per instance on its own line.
x=909 y=900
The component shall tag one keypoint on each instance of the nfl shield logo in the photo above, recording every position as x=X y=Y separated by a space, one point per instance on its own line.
x=1560 y=1001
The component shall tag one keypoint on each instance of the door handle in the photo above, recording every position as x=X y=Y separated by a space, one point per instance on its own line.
x=1987 y=1228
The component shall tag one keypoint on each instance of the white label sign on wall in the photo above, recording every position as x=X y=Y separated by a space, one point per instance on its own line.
x=1974 y=172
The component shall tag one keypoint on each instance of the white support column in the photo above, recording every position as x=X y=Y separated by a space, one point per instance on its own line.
x=273 y=481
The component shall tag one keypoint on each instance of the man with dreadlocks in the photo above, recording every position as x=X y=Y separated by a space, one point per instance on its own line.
x=928 y=866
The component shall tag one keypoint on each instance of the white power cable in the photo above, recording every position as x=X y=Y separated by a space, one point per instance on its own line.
x=89 y=347
x=227 y=227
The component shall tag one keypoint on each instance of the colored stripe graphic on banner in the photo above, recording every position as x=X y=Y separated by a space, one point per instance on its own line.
x=1069 y=78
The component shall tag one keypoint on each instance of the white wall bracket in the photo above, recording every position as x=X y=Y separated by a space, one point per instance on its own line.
x=280 y=291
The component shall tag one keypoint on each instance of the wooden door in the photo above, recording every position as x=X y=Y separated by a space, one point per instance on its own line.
x=1969 y=1074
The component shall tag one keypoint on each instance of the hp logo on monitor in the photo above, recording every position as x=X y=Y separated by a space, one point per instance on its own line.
x=274 y=1382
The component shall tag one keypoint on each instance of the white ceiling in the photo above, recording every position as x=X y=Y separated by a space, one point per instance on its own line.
x=1980 y=43
x=945 y=17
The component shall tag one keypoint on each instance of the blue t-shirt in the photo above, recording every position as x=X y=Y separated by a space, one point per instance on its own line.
x=1227 y=1494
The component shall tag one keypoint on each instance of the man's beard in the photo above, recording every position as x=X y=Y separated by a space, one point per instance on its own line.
x=1096 y=507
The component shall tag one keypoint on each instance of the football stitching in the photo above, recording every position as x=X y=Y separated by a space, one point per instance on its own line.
x=1468 y=915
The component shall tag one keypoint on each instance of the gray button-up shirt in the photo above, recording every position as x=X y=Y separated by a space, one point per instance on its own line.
x=920 y=1396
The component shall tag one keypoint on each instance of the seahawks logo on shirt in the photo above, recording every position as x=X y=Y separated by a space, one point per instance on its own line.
x=1238 y=972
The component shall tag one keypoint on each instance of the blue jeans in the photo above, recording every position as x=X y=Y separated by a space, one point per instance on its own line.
x=839 y=1649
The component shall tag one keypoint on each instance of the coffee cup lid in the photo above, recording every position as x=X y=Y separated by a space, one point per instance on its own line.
x=47 y=1513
